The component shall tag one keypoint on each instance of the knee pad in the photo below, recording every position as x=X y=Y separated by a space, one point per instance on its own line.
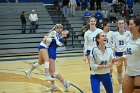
x=120 y=75
x=55 y=74
x=46 y=65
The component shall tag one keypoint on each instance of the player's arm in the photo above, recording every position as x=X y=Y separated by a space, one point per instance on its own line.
x=85 y=46
x=57 y=39
x=95 y=65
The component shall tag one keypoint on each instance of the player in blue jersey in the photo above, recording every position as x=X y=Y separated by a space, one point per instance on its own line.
x=131 y=81
x=52 y=55
x=43 y=53
x=100 y=64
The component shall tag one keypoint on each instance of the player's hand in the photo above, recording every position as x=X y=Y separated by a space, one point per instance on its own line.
x=59 y=43
x=84 y=59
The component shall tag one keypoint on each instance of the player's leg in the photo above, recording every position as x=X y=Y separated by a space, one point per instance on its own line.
x=128 y=84
x=137 y=84
x=45 y=57
x=95 y=83
x=120 y=75
x=106 y=80
x=57 y=75
x=34 y=66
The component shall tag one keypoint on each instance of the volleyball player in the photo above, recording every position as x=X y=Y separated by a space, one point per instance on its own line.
x=89 y=38
x=109 y=35
x=131 y=82
x=43 y=52
x=52 y=56
x=100 y=64
x=120 y=40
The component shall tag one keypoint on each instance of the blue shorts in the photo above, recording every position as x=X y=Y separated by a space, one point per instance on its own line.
x=87 y=52
x=41 y=47
x=52 y=54
x=118 y=54
x=106 y=81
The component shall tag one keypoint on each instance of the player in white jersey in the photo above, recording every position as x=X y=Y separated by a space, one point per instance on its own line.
x=43 y=51
x=100 y=64
x=120 y=40
x=131 y=81
x=109 y=35
x=89 y=37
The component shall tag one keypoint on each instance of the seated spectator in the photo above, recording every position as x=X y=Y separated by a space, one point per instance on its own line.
x=100 y=24
x=112 y=16
x=98 y=15
x=86 y=15
x=84 y=28
x=105 y=15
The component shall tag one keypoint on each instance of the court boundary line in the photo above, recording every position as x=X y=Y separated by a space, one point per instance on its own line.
x=30 y=58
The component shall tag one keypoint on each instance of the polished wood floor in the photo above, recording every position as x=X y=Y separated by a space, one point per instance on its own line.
x=73 y=69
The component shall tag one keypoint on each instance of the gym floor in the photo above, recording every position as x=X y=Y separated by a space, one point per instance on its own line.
x=70 y=66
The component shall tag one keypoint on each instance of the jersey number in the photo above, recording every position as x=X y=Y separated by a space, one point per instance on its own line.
x=103 y=63
x=121 y=42
x=129 y=51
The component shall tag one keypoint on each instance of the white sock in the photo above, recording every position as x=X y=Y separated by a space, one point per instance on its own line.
x=36 y=64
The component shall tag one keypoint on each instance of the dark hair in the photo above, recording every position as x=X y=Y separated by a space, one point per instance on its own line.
x=97 y=37
x=23 y=12
x=105 y=24
x=68 y=35
x=136 y=20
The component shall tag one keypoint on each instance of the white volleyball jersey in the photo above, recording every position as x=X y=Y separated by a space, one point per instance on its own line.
x=52 y=34
x=98 y=58
x=120 y=40
x=109 y=38
x=133 y=57
x=89 y=39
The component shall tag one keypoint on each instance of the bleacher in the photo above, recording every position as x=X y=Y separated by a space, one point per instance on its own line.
x=12 y=42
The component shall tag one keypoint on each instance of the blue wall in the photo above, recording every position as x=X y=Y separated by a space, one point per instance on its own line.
x=44 y=1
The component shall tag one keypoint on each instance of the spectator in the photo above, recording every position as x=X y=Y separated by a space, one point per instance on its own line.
x=98 y=15
x=33 y=18
x=98 y=4
x=105 y=15
x=86 y=15
x=65 y=4
x=23 y=22
x=78 y=4
x=73 y=6
x=92 y=4
x=112 y=16
x=84 y=28
x=100 y=24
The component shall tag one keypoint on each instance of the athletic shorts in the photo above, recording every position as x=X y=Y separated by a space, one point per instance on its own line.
x=41 y=47
x=52 y=54
x=87 y=52
x=118 y=54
